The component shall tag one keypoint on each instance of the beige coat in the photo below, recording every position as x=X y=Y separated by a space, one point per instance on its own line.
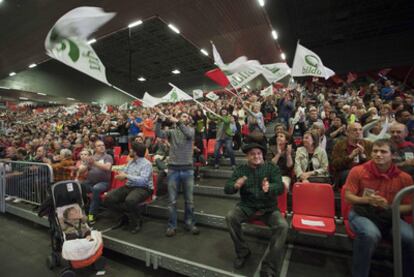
x=319 y=161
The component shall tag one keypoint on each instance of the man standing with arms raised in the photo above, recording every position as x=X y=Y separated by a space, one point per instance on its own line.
x=259 y=184
x=180 y=170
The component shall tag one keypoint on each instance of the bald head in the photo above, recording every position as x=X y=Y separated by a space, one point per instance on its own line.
x=398 y=132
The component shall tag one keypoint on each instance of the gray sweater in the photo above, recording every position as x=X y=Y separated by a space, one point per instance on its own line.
x=181 y=145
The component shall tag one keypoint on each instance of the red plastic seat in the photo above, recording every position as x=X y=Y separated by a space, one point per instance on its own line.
x=281 y=204
x=313 y=207
x=210 y=147
x=117 y=151
x=205 y=154
x=123 y=160
x=345 y=207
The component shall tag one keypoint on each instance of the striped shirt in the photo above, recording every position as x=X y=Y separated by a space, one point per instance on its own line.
x=139 y=173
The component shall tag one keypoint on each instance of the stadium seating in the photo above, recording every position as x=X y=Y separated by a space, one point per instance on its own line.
x=313 y=208
x=281 y=204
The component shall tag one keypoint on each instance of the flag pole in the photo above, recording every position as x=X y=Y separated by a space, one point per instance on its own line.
x=192 y=98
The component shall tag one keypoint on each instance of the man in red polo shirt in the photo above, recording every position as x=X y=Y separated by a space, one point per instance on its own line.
x=371 y=187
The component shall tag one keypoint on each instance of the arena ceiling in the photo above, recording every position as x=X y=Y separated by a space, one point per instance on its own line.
x=348 y=35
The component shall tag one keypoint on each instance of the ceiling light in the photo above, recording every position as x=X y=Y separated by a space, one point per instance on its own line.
x=204 y=52
x=283 y=56
x=41 y=93
x=92 y=41
x=274 y=35
x=1 y=1
x=175 y=29
x=134 y=24
x=23 y=98
x=261 y=3
x=142 y=79
x=94 y=103
x=69 y=98
x=32 y=65
x=11 y=73
x=176 y=71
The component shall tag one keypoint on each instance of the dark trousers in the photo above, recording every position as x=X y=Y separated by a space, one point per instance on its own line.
x=277 y=241
x=126 y=200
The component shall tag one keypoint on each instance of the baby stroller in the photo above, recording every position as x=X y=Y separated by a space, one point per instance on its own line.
x=76 y=253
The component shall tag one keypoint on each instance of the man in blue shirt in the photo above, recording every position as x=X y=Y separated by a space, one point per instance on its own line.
x=133 y=124
x=138 y=187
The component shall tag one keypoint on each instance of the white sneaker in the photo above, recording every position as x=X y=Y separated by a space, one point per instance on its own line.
x=9 y=198
x=17 y=200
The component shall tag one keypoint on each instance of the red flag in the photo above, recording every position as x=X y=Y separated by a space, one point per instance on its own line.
x=136 y=103
x=218 y=76
x=351 y=77
x=384 y=72
x=337 y=80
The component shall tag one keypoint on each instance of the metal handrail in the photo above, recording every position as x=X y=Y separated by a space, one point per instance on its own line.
x=396 y=226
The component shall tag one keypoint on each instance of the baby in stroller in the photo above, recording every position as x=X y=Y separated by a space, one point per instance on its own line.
x=72 y=238
x=74 y=225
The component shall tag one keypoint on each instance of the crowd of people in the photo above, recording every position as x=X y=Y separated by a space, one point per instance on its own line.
x=342 y=135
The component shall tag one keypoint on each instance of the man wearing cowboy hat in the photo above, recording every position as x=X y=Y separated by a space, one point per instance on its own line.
x=259 y=184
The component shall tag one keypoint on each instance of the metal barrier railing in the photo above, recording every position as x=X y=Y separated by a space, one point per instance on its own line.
x=27 y=181
x=396 y=226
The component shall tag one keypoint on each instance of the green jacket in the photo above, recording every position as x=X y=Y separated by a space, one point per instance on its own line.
x=223 y=125
x=253 y=198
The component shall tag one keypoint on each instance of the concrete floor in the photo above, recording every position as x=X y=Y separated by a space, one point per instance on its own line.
x=24 y=247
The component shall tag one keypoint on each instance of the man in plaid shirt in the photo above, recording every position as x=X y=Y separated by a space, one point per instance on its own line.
x=259 y=184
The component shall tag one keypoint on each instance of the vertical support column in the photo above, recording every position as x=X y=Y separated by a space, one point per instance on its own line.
x=2 y=188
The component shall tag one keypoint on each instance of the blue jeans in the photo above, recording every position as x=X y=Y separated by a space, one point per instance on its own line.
x=175 y=178
x=96 y=190
x=228 y=145
x=367 y=238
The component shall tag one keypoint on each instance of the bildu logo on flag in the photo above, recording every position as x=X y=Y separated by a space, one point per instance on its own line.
x=67 y=40
x=307 y=63
x=212 y=96
x=173 y=95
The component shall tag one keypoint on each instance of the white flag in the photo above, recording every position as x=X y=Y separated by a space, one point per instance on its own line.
x=71 y=109
x=104 y=108
x=176 y=95
x=275 y=71
x=124 y=107
x=240 y=79
x=212 y=96
x=307 y=63
x=198 y=93
x=267 y=91
x=150 y=101
x=67 y=40
x=238 y=65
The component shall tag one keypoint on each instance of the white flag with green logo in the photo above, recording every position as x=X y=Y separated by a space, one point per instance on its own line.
x=176 y=95
x=197 y=93
x=275 y=71
x=267 y=91
x=67 y=40
x=240 y=79
x=212 y=96
x=307 y=63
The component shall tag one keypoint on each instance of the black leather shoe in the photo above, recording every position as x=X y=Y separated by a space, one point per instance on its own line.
x=240 y=261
